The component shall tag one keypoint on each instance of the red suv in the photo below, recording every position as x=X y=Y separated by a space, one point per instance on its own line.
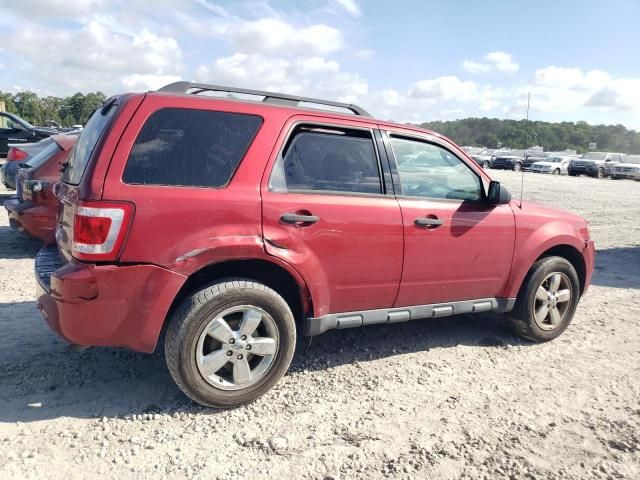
x=231 y=224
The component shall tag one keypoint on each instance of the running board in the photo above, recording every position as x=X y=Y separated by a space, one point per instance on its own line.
x=316 y=326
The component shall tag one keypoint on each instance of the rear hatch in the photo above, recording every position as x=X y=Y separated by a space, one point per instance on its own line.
x=86 y=148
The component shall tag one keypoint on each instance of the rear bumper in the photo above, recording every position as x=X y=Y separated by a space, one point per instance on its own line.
x=39 y=221
x=104 y=305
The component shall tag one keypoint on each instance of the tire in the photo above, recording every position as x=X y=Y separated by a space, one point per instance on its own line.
x=517 y=167
x=600 y=173
x=522 y=319
x=556 y=171
x=232 y=301
x=485 y=164
x=572 y=174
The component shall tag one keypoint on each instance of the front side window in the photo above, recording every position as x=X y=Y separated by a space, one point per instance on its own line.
x=428 y=170
x=187 y=147
x=327 y=160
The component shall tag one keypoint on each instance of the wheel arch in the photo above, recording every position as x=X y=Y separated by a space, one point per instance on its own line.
x=287 y=284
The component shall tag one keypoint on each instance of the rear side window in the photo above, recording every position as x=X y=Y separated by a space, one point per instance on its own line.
x=89 y=138
x=186 y=147
x=327 y=160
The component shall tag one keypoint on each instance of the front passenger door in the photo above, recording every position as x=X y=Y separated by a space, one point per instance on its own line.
x=457 y=247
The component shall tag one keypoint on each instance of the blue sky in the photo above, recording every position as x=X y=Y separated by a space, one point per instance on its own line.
x=407 y=61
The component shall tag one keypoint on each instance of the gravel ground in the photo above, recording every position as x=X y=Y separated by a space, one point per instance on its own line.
x=445 y=398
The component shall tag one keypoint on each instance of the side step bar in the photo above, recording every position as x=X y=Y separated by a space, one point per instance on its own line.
x=316 y=326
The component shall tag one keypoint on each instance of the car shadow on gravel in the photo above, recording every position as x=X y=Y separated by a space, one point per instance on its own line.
x=43 y=378
x=15 y=245
x=617 y=267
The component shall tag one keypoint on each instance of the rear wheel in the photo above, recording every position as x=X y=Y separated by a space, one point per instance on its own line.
x=485 y=164
x=517 y=167
x=229 y=343
x=547 y=300
x=556 y=171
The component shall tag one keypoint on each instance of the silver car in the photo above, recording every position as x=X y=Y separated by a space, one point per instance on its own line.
x=629 y=169
x=555 y=165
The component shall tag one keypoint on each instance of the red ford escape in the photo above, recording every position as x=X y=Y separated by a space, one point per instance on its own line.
x=232 y=224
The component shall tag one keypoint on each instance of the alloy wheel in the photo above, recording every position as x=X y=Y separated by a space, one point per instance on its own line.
x=552 y=301
x=237 y=347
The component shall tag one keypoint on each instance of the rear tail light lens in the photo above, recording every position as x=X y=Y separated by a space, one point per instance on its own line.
x=99 y=230
x=16 y=154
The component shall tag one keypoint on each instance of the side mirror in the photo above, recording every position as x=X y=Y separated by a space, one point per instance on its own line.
x=497 y=194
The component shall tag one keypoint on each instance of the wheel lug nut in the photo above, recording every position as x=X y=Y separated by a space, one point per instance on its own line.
x=229 y=353
x=232 y=341
x=243 y=337
x=248 y=347
x=240 y=357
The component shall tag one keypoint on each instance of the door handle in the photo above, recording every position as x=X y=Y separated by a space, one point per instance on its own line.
x=428 y=222
x=296 y=219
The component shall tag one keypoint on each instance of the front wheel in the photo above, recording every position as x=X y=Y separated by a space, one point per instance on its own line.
x=547 y=300
x=517 y=167
x=485 y=164
x=229 y=343
x=600 y=173
x=556 y=171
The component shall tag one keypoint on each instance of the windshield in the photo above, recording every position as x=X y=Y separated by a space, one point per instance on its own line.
x=594 y=156
x=87 y=142
x=554 y=160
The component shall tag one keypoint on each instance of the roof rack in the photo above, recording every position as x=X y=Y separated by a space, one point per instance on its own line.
x=269 y=97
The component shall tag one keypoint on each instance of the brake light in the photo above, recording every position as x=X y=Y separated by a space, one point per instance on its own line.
x=99 y=230
x=16 y=154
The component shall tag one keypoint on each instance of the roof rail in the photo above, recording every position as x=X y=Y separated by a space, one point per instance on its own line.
x=269 y=97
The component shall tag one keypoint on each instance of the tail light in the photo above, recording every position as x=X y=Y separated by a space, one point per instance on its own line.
x=16 y=154
x=100 y=229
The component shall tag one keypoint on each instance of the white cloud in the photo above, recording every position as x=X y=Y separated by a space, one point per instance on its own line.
x=311 y=76
x=622 y=94
x=272 y=36
x=444 y=88
x=476 y=67
x=51 y=8
x=498 y=61
x=94 y=57
x=141 y=83
x=351 y=6
x=502 y=61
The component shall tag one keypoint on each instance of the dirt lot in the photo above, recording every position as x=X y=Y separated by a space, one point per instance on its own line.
x=447 y=398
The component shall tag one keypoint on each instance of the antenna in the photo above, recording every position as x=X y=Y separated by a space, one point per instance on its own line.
x=526 y=131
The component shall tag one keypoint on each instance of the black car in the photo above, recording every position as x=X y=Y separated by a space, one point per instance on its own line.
x=14 y=129
x=512 y=160
x=596 y=164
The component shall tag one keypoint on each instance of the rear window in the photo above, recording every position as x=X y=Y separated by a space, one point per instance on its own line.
x=88 y=140
x=42 y=156
x=187 y=147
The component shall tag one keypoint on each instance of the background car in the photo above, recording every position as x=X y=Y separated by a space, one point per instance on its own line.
x=14 y=129
x=33 y=210
x=629 y=169
x=555 y=165
x=596 y=164
x=513 y=160
x=19 y=154
x=483 y=157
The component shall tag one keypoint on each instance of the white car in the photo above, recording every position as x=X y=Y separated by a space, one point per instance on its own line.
x=556 y=165
x=629 y=169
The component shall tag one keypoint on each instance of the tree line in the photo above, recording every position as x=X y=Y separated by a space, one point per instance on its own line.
x=69 y=111
x=490 y=132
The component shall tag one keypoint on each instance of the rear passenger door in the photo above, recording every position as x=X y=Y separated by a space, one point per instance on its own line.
x=326 y=210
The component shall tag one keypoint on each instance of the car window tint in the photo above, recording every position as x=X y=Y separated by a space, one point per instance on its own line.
x=187 y=147
x=428 y=170
x=328 y=161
